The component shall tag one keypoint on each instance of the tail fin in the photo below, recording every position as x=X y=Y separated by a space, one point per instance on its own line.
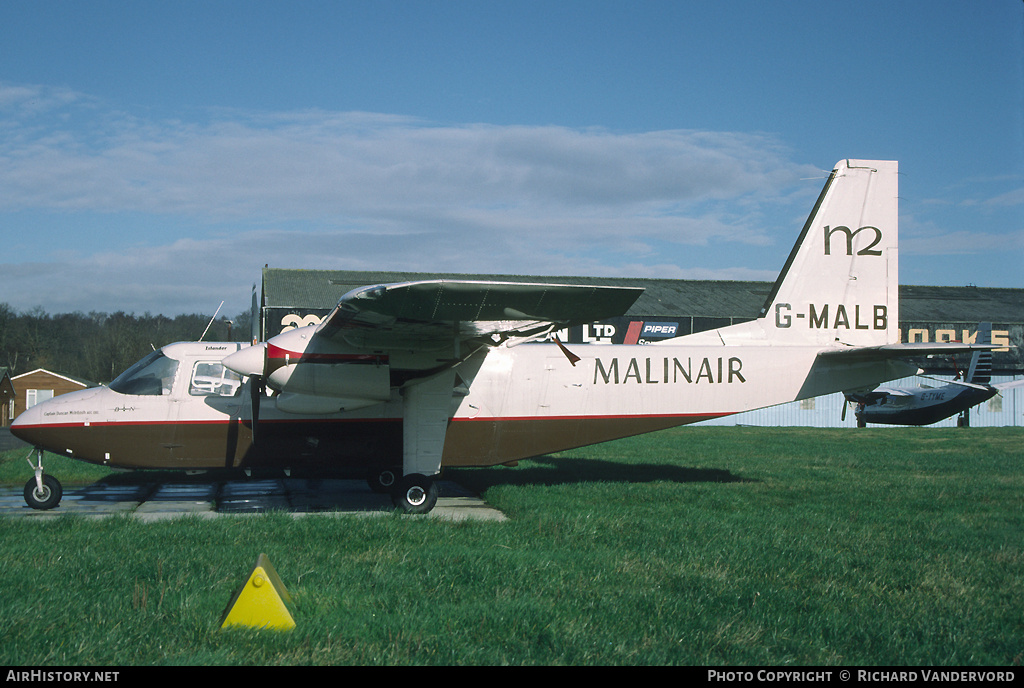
x=841 y=282
x=980 y=371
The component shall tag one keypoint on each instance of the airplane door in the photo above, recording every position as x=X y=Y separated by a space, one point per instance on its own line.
x=206 y=409
x=140 y=420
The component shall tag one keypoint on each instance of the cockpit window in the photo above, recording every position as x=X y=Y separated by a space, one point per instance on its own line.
x=211 y=378
x=152 y=376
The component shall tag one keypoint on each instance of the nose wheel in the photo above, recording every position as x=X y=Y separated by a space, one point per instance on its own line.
x=42 y=491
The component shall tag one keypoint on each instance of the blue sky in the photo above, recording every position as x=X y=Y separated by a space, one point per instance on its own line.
x=155 y=155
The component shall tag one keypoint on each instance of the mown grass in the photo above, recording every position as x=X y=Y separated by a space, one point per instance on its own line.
x=15 y=470
x=697 y=546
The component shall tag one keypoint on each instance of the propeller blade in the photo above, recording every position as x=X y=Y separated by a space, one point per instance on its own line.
x=251 y=362
x=256 y=387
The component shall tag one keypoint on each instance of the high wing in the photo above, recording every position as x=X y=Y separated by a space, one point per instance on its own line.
x=430 y=314
x=894 y=392
x=1008 y=385
x=411 y=336
x=958 y=383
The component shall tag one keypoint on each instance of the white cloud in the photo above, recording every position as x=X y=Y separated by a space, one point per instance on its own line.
x=230 y=191
x=963 y=242
x=1009 y=199
x=313 y=165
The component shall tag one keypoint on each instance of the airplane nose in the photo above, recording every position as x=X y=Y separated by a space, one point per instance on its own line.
x=22 y=426
x=248 y=362
x=31 y=426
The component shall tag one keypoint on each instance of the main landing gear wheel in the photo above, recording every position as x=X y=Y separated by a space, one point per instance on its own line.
x=416 y=494
x=46 y=497
x=383 y=480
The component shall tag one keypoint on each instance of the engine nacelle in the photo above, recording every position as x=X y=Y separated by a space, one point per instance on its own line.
x=297 y=363
x=369 y=381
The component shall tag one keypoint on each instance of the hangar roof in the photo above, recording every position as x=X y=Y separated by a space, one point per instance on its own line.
x=321 y=289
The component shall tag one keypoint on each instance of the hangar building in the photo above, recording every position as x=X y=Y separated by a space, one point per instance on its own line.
x=293 y=298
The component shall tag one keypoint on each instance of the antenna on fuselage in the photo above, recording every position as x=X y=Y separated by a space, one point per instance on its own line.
x=211 y=320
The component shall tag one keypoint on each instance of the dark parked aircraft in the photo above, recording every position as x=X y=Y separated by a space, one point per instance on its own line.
x=925 y=405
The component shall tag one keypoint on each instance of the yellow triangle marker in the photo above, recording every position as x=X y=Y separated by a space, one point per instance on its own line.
x=260 y=603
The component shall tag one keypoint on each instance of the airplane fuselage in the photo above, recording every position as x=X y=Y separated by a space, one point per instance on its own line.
x=924 y=407
x=512 y=403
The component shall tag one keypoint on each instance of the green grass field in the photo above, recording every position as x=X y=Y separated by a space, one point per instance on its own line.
x=696 y=546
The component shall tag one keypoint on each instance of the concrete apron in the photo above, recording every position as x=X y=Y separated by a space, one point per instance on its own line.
x=296 y=496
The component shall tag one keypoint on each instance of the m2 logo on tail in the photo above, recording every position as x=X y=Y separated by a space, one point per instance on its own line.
x=868 y=250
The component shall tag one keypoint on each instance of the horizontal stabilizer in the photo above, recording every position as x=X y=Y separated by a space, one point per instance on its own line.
x=894 y=351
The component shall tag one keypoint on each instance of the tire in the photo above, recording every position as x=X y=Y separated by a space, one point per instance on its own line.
x=383 y=480
x=48 y=498
x=416 y=494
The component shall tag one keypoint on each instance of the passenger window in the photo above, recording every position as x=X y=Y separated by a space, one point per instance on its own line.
x=210 y=378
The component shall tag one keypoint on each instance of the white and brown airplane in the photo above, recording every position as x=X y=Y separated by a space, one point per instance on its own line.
x=404 y=379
